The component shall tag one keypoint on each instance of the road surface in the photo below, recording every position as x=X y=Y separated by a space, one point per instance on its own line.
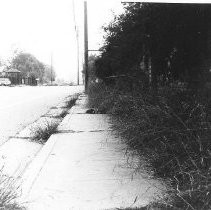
x=20 y=106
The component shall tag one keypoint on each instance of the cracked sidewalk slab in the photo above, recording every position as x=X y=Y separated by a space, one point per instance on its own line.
x=77 y=109
x=55 y=112
x=85 y=166
x=86 y=171
x=85 y=122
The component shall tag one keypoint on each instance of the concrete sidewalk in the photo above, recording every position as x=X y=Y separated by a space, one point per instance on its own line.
x=84 y=167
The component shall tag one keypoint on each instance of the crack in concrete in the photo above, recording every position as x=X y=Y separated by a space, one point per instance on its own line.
x=51 y=116
x=72 y=131
x=69 y=131
x=20 y=137
x=98 y=130
x=54 y=107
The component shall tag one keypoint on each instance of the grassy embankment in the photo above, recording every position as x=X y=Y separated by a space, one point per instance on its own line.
x=172 y=131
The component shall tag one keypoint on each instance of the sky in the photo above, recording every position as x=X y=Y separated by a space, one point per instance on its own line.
x=45 y=28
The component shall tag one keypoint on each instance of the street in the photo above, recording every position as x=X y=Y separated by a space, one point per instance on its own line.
x=20 y=106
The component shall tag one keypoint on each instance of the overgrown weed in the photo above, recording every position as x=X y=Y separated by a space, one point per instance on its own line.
x=9 y=193
x=63 y=113
x=172 y=130
x=71 y=101
x=41 y=133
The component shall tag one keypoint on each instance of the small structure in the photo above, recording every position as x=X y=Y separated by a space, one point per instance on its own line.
x=14 y=75
x=29 y=80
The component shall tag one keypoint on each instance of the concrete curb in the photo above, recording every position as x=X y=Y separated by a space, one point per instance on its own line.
x=33 y=170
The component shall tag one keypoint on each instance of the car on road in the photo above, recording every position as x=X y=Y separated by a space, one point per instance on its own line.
x=5 y=81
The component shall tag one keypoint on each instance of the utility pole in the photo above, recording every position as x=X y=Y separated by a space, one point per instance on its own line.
x=86 y=46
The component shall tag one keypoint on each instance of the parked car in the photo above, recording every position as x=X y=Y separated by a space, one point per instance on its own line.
x=5 y=81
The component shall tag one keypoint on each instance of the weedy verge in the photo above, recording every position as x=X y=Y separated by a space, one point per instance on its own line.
x=172 y=131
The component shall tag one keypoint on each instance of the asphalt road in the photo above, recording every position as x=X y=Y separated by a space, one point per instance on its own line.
x=20 y=106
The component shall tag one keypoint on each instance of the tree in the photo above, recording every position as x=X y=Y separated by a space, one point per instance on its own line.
x=172 y=39
x=28 y=65
x=49 y=74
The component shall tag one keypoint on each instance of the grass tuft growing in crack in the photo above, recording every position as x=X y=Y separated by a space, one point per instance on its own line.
x=71 y=101
x=9 y=193
x=62 y=114
x=54 y=107
x=43 y=132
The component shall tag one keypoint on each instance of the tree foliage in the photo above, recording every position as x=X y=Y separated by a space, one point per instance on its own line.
x=30 y=66
x=92 y=67
x=49 y=74
x=171 y=41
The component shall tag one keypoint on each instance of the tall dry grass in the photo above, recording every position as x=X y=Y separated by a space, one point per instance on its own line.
x=9 y=193
x=172 y=130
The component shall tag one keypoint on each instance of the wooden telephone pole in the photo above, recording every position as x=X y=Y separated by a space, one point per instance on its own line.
x=86 y=46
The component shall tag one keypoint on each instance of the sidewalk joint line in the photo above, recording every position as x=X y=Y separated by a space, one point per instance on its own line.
x=100 y=130
x=20 y=137
x=86 y=131
x=69 y=131
x=51 y=116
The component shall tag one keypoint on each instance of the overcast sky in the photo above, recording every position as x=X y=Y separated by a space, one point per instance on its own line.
x=45 y=27
x=42 y=27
